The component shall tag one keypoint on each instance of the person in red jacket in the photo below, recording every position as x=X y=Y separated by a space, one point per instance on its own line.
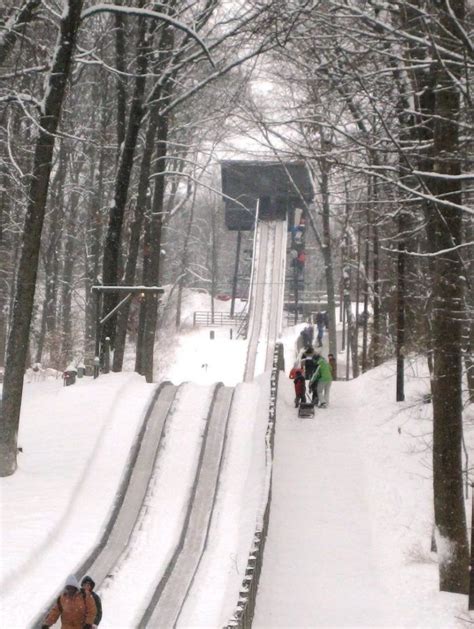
x=76 y=608
x=300 y=387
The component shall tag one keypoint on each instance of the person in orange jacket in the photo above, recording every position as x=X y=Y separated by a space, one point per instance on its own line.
x=76 y=608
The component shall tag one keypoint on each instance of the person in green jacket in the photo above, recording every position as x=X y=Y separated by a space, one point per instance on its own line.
x=323 y=377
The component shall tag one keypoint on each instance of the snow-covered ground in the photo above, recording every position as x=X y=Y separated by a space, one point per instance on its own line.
x=351 y=518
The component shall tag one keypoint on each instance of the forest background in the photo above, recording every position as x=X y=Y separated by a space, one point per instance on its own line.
x=113 y=119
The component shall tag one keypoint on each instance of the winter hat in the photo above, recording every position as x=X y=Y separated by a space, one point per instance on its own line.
x=88 y=579
x=71 y=581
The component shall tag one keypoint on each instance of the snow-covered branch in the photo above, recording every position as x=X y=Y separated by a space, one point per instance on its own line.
x=14 y=24
x=156 y=15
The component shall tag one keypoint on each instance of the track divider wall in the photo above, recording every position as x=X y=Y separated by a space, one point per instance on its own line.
x=244 y=612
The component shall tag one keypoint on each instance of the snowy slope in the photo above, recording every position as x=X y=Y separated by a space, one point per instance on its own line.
x=352 y=515
x=349 y=540
x=76 y=441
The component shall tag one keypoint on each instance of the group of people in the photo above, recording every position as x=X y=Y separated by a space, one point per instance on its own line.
x=321 y=318
x=79 y=607
x=318 y=372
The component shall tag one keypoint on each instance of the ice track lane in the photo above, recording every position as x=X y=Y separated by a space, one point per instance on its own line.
x=170 y=595
x=137 y=488
x=267 y=295
x=131 y=495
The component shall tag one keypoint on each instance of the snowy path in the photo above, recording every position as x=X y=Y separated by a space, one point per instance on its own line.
x=320 y=560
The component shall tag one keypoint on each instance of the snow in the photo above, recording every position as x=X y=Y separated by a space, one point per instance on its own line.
x=351 y=516
x=203 y=360
x=101 y=8
x=163 y=514
x=75 y=441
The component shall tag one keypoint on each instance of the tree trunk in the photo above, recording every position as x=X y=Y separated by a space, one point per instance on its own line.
x=31 y=239
x=214 y=254
x=4 y=270
x=400 y=342
x=121 y=79
x=112 y=248
x=448 y=316
x=52 y=257
x=93 y=245
x=66 y=297
x=377 y=314
x=15 y=25
x=68 y=280
x=365 y=312
x=356 y=363
x=468 y=332
x=151 y=266
x=136 y=230
x=184 y=258
x=327 y=253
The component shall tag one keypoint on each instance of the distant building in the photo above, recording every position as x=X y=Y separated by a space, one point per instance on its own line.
x=281 y=188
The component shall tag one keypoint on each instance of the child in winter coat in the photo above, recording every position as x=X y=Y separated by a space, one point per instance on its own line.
x=88 y=585
x=300 y=387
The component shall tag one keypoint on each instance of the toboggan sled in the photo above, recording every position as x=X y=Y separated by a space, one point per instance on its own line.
x=306 y=409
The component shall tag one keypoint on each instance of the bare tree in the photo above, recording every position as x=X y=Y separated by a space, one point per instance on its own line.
x=17 y=347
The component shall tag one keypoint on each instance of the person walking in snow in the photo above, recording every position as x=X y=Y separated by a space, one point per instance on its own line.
x=309 y=333
x=321 y=323
x=300 y=387
x=307 y=362
x=88 y=584
x=323 y=377
x=313 y=383
x=304 y=339
x=75 y=607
